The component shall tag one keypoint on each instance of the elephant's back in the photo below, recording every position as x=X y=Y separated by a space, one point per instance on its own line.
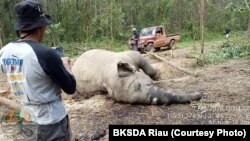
x=100 y=57
x=92 y=59
x=91 y=69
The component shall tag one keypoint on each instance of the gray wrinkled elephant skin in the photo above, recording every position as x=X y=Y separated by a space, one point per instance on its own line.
x=126 y=76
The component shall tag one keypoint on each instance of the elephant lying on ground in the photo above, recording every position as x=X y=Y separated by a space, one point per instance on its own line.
x=126 y=77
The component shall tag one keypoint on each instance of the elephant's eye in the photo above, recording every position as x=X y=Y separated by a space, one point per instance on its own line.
x=137 y=86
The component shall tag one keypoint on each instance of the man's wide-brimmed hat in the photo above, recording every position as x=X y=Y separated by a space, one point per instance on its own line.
x=30 y=15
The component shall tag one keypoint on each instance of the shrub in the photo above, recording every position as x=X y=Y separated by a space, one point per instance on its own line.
x=227 y=50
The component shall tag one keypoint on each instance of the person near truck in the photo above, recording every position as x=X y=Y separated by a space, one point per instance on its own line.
x=134 y=40
x=37 y=75
x=227 y=32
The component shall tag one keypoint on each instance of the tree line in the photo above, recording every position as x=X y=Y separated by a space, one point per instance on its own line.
x=90 y=20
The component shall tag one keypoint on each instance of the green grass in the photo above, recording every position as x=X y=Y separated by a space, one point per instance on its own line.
x=208 y=37
x=225 y=51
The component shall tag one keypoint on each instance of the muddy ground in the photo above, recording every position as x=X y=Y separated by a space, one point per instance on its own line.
x=226 y=99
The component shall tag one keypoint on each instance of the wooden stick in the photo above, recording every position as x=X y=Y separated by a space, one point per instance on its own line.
x=16 y=105
x=172 y=65
x=172 y=80
x=9 y=103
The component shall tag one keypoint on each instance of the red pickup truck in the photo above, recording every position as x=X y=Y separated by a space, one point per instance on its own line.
x=153 y=38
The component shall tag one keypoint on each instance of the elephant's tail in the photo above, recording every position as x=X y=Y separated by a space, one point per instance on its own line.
x=159 y=96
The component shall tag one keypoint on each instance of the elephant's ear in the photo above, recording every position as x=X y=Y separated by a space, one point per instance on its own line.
x=125 y=69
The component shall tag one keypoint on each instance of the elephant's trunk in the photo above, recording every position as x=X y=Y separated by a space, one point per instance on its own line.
x=159 y=96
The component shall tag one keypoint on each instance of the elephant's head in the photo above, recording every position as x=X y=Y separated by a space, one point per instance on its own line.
x=135 y=83
x=139 y=88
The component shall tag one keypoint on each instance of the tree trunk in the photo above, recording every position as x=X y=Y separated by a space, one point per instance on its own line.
x=1 y=37
x=53 y=38
x=111 y=22
x=202 y=25
x=248 y=29
x=1 y=41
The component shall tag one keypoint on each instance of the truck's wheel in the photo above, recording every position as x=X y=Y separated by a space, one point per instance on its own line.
x=171 y=45
x=150 y=47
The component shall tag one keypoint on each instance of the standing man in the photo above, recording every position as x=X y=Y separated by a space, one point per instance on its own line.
x=227 y=32
x=37 y=75
x=134 y=39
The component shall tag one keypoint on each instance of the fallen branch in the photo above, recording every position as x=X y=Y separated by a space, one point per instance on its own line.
x=172 y=65
x=9 y=103
x=16 y=106
x=3 y=91
x=172 y=80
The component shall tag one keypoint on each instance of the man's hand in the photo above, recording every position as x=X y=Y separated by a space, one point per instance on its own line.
x=66 y=63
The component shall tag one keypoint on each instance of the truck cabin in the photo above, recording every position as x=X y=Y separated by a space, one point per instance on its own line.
x=159 y=31
x=147 y=31
x=152 y=31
